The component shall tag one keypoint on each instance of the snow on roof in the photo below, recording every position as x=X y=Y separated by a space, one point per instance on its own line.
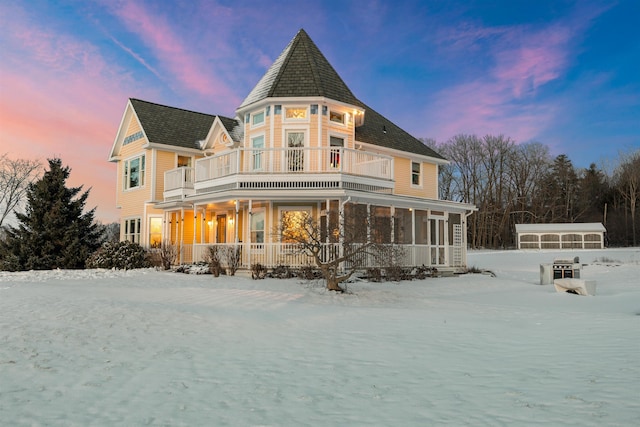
x=561 y=227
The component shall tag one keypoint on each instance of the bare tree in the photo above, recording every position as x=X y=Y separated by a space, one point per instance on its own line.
x=15 y=177
x=338 y=250
x=628 y=186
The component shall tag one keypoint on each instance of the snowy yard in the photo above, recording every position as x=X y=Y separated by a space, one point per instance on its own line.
x=143 y=347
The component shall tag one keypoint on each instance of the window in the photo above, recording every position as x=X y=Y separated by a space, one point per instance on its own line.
x=296 y=113
x=415 y=173
x=184 y=162
x=257 y=118
x=334 y=155
x=295 y=153
x=257 y=227
x=133 y=137
x=155 y=232
x=134 y=172
x=336 y=117
x=132 y=230
x=257 y=144
x=292 y=225
x=422 y=227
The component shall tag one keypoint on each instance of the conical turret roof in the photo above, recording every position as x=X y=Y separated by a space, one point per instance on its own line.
x=301 y=70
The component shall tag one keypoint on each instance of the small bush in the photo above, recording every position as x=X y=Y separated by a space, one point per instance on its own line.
x=120 y=256
x=258 y=271
x=374 y=274
x=422 y=272
x=233 y=256
x=212 y=258
x=282 y=272
x=168 y=253
x=309 y=272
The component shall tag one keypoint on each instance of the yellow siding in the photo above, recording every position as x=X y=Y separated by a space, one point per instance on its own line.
x=402 y=170
x=133 y=127
x=430 y=180
x=165 y=161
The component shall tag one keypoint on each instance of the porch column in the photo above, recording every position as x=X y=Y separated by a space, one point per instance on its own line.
x=235 y=224
x=195 y=225
x=248 y=238
x=392 y=220
x=180 y=242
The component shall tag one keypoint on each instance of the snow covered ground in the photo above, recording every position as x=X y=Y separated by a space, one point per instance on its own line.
x=145 y=347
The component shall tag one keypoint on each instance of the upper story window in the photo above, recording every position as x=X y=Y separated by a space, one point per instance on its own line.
x=134 y=172
x=295 y=113
x=184 y=162
x=257 y=118
x=336 y=144
x=257 y=144
x=415 y=173
x=336 y=117
x=133 y=137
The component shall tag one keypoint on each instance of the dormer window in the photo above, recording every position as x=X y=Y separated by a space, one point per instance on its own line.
x=336 y=117
x=257 y=118
x=295 y=113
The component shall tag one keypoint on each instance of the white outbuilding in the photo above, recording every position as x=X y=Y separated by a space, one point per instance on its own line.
x=588 y=235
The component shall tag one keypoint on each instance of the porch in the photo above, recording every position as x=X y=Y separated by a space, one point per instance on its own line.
x=282 y=168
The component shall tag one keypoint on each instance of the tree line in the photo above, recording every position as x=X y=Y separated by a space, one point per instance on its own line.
x=513 y=183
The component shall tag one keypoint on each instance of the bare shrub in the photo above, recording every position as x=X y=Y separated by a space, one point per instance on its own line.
x=258 y=271
x=232 y=256
x=168 y=253
x=212 y=257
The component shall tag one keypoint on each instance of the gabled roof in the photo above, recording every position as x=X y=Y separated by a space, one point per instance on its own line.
x=301 y=70
x=175 y=126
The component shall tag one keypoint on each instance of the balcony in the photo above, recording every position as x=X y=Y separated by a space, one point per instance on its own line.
x=178 y=183
x=289 y=168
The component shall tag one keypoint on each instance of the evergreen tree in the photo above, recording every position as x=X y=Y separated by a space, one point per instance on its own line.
x=53 y=232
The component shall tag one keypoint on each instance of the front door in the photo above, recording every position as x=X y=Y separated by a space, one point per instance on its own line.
x=437 y=230
x=221 y=229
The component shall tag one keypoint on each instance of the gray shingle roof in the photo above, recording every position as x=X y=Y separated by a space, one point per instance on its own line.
x=175 y=126
x=301 y=70
x=380 y=131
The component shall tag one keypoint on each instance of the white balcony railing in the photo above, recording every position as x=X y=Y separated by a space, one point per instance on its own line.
x=254 y=162
x=294 y=161
x=179 y=178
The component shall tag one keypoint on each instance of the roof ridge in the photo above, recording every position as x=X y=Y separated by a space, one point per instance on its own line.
x=289 y=49
x=175 y=108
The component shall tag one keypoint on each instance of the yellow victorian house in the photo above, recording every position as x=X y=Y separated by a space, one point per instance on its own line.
x=300 y=142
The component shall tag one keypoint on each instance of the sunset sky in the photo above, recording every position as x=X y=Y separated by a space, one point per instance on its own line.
x=563 y=73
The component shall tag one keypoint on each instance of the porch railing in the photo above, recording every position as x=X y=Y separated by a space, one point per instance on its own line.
x=275 y=254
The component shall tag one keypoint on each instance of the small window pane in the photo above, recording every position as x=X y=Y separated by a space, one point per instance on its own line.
x=258 y=118
x=296 y=113
x=336 y=117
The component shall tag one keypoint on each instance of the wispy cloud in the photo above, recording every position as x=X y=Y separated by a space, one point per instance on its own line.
x=502 y=94
x=187 y=68
x=61 y=98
